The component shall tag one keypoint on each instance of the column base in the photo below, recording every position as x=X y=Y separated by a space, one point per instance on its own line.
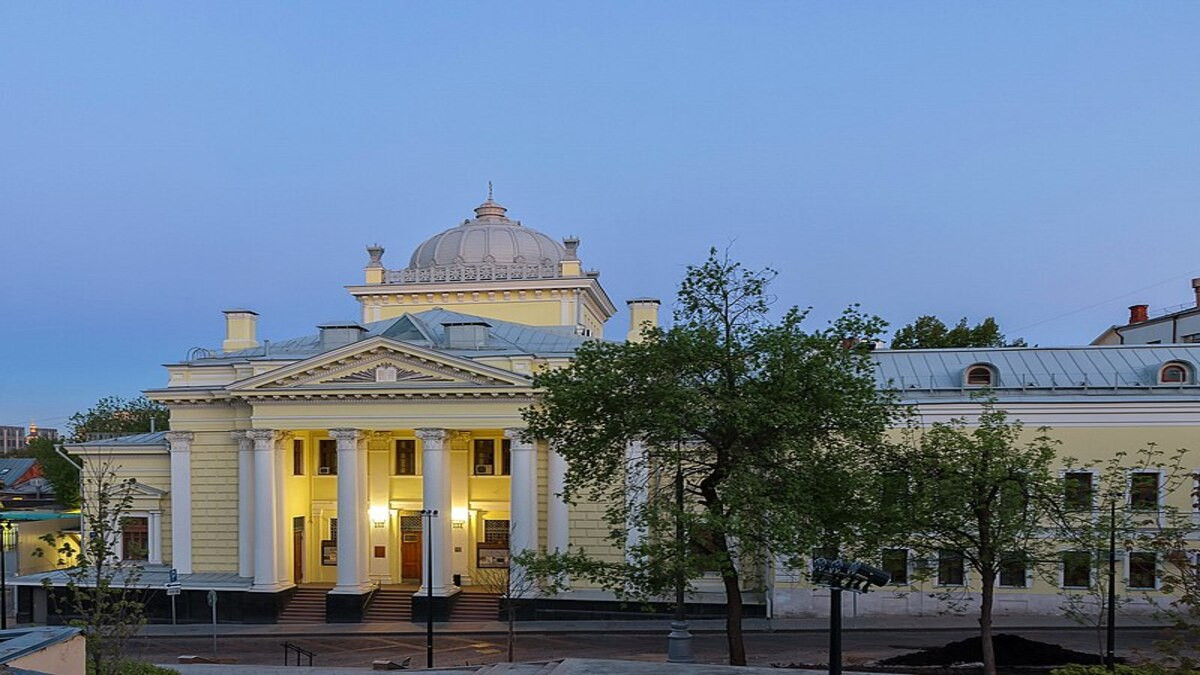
x=345 y=607
x=271 y=588
x=438 y=591
x=357 y=589
x=439 y=605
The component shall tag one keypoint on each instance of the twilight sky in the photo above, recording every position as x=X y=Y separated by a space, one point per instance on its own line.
x=160 y=162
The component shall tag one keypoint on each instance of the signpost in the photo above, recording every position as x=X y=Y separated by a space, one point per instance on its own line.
x=212 y=602
x=173 y=589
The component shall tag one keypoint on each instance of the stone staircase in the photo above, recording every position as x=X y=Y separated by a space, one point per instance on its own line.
x=390 y=604
x=519 y=668
x=306 y=606
x=476 y=607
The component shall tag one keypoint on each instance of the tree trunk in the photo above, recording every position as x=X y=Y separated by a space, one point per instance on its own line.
x=985 y=623
x=512 y=629
x=733 y=619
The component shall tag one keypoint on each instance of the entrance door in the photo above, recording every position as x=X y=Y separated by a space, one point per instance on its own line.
x=410 y=548
x=298 y=549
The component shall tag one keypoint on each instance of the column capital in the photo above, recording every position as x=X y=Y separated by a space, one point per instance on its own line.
x=517 y=436
x=243 y=439
x=261 y=435
x=180 y=440
x=344 y=435
x=431 y=436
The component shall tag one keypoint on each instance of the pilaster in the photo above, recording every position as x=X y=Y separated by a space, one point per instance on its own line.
x=245 y=503
x=523 y=521
x=180 y=443
x=266 y=513
x=558 y=532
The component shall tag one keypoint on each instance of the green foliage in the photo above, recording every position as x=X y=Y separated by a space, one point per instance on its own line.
x=114 y=414
x=980 y=491
x=101 y=595
x=62 y=474
x=929 y=332
x=769 y=424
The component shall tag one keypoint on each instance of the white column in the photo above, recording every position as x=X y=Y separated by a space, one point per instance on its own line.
x=435 y=488
x=523 y=511
x=266 y=512
x=558 y=532
x=352 y=512
x=283 y=528
x=181 y=500
x=155 y=537
x=637 y=474
x=245 y=504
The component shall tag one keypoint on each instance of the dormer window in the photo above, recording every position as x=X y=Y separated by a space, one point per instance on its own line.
x=980 y=376
x=1173 y=373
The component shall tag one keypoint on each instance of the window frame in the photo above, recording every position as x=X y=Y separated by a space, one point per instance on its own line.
x=883 y=563
x=299 y=458
x=1018 y=556
x=1175 y=366
x=416 y=471
x=1129 y=565
x=501 y=456
x=126 y=540
x=1158 y=492
x=946 y=556
x=969 y=373
x=1092 y=493
x=1087 y=566
x=324 y=445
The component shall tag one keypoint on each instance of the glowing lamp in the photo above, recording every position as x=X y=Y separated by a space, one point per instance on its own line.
x=378 y=514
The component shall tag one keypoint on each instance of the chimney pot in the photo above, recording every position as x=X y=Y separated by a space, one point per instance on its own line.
x=1138 y=313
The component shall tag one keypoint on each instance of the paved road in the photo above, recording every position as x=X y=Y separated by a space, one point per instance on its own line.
x=763 y=648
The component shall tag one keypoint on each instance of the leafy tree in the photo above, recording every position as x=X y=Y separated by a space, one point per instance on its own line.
x=1085 y=521
x=61 y=473
x=929 y=332
x=101 y=595
x=516 y=584
x=980 y=492
x=768 y=422
x=116 y=415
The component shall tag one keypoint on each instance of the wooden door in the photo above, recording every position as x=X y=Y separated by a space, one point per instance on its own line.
x=298 y=549
x=410 y=556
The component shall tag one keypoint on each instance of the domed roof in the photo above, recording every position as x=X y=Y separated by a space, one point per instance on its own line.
x=490 y=237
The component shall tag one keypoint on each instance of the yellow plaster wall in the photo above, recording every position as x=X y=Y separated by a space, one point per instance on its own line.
x=214 y=484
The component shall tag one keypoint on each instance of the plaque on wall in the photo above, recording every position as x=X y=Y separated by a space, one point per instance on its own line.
x=329 y=552
x=491 y=556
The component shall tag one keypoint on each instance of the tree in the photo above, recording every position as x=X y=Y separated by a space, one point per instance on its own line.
x=1100 y=505
x=102 y=594
x=982 y=495
x=515 y=584
x=929 y=332
x=115 y=415
x=60 y=472
x=768 y=423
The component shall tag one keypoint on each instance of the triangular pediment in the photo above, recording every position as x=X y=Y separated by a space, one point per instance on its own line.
x=380 y=362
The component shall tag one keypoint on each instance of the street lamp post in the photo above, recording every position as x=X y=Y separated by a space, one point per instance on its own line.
x=1110 y=659
x=679 y=642
x=429 y=515
x=841 y=575
x=5 y=526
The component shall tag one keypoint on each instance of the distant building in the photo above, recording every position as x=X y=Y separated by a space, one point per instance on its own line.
x=42 y=432
x=1175 y=325
x=11 y=439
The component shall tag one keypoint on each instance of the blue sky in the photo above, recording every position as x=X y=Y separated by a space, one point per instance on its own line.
x=160 y=162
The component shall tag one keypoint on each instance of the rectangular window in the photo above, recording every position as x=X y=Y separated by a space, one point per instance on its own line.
x=951 y=571
x=495 y=532
x=406 y=457
x=1077 y=569
x=1143 y=568
x=485 y=457
x=333 y=529
x=1077 y=489
x=1143 y=491
x=506 y=457
x=1012 y=570
x=1190 y=337
x=135 y=539
x=327 y=457
x=297 y=457
x=895 y=563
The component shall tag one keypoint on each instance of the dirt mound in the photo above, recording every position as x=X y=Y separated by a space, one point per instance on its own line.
x=1011 y=650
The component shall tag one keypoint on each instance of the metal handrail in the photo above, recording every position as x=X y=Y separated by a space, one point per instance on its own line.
x=300 y=651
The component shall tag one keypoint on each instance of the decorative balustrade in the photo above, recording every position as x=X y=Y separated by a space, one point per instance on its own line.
x=485 y=272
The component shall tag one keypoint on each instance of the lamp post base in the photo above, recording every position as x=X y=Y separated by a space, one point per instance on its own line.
x=679 y=644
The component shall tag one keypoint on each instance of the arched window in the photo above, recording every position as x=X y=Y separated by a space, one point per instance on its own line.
x=1173 y=373
x=980 y=376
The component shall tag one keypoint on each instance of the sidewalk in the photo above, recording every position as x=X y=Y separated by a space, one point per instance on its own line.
x=639 y=626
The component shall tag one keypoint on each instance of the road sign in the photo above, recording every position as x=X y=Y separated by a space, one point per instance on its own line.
x=174 y=588
x=173 y=575
x=212 y=598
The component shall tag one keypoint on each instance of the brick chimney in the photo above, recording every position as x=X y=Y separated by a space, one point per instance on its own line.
x=1196 y=289
x=1138 y=313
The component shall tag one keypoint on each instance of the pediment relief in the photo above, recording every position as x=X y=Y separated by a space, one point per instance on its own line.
x=382 y=364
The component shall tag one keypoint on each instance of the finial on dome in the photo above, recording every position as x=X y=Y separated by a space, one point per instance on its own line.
x=490 y=209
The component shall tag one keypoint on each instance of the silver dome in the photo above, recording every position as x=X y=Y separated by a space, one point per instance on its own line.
x=488 y=238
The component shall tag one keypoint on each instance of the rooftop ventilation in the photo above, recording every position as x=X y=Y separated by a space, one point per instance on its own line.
x=466 y=334
x=339 y=334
